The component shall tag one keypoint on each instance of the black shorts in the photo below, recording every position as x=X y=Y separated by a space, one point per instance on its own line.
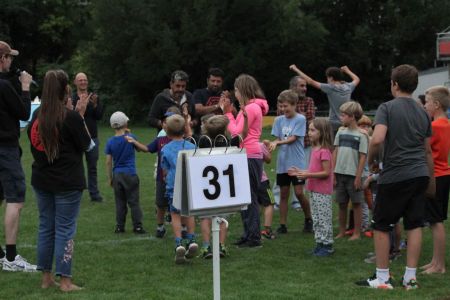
x=12 y=177
x=284 y=179
x=265 y=195
x=400 y=199
x=437 y=207
x=160 y=200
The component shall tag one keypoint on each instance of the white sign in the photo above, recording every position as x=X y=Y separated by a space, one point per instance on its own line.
x=218 y=181
x=211 y=181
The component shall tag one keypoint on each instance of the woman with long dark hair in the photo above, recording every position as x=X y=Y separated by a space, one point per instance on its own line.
x=58 y=138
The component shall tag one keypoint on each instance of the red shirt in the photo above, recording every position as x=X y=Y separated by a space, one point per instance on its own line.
x=440 y=145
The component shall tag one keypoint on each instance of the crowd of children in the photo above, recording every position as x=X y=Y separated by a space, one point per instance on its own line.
x=345 y=161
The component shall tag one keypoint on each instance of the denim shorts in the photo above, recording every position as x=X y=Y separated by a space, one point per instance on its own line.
x=12 y=178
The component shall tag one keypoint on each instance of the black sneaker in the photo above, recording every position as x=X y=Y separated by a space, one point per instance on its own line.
x=97 y=199
x=308 y=227
x=160 y=232
x=240 y=241
x=119 y=229
x=282 y=229
x=139 y=230
x=206 y=252
x=251 y=244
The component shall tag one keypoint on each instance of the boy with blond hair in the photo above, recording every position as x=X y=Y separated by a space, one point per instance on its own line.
x=437 y=101
x=349 y=158
x=175 y=129
x=290 y=130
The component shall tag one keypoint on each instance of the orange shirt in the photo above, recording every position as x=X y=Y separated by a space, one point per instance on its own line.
x=440 y=145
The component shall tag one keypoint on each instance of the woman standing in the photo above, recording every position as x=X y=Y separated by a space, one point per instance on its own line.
x=248 y=123
x=58 y=138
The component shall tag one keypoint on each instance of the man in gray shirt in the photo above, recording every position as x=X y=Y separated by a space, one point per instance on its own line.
x=338 y=91
x=405 y=128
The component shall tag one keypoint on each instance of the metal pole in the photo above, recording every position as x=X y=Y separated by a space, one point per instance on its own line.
x=216 y=257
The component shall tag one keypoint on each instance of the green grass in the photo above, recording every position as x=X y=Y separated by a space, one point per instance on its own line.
x=111 y=266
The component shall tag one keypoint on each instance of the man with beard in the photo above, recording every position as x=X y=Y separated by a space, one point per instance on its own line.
x=207 y=100
x=175 y=95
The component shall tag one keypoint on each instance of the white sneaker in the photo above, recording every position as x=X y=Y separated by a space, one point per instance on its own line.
x=192 y=250
x=296 y=205
x=18 y=265
x=180 y=251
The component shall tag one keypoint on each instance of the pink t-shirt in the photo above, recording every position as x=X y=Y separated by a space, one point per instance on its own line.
x=320 y=185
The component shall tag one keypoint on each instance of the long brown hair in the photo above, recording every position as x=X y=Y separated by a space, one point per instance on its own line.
x=248 y=87
x=326 y=136
x=52 y=111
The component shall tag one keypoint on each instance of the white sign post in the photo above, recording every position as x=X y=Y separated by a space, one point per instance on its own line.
x=212 y=182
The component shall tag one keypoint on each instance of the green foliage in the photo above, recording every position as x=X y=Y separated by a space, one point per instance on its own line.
x=129 y=48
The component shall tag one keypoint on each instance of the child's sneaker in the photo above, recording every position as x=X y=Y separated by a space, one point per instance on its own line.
x=308 y=227
x=410 y=285
x=371 y=258
x=160 y=232
x=119 y=229
x=368 y=233
x=324 y=251
x=223 y=251
x=139 y=230
x=18 y=264
x=268 y=234
x=206 y=252
x=180 y=252
x=282 y=229
x=192 y=249
x=374 y=283
x=296 y=205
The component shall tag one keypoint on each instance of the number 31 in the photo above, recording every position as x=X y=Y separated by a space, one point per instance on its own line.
x=213 y=181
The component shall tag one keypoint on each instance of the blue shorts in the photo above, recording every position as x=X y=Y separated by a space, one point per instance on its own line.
x=172 y=208
x=12 y=178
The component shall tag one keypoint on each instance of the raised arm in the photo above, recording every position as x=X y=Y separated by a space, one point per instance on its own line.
x=355 y=79
x=308 y=79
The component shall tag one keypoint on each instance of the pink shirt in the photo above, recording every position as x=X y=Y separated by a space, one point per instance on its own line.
x=320 y=185
x=255 y=109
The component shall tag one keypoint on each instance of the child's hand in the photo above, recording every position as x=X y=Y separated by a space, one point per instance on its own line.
x=130 y=139
x=267 y=144
x=345 y=69
x=294 y=68
x=357 y=183
x=272 y=146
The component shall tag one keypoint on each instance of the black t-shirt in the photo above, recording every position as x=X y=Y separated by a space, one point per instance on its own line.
x=206 y=97
x=92 y=114
x=66 y=173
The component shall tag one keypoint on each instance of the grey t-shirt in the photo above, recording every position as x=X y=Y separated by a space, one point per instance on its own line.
x=404 y=146
x=337 y=95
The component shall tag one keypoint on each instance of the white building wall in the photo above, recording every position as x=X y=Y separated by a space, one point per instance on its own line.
x=432 y=77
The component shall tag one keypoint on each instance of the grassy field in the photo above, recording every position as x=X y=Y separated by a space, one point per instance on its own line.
x=128 y=266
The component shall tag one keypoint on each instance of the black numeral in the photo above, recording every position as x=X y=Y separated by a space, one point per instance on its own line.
x=214 y=181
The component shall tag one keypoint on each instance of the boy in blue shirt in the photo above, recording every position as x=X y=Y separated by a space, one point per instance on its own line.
x=123 y=177
x=175 y=129
x=289 y=130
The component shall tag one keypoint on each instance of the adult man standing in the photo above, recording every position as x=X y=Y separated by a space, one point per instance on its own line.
x=94 y=113
x=305 y=106
x=403 y=129
x=176 y=95
x=12 y=109
x=207 y=99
